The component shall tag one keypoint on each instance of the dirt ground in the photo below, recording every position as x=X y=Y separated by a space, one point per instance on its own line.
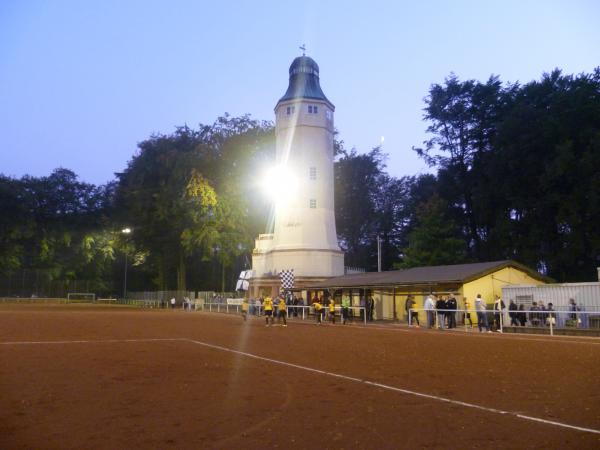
x=84 y=377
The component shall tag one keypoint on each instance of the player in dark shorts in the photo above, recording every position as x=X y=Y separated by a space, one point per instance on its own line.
x=268 y=308
x=281 y=311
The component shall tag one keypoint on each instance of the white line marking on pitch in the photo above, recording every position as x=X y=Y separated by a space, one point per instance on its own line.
x=99 y=341
x=396 y=389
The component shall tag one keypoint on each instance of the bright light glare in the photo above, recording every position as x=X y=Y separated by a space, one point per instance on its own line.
x=126 y=230
x=280 y=185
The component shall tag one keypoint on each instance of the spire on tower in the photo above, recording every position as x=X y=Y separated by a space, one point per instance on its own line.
x=303 y=48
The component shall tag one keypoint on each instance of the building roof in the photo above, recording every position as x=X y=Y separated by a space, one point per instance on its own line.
x=304 y=81
x=457 y=273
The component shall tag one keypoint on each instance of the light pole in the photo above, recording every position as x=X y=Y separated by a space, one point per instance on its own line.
x=125 y=231
x=378 y=253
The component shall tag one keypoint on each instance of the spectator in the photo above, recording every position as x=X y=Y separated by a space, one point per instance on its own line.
x=429 y=307
x=550 y=316
x=345 y=308
x=467 y=314
x=534 y=315
x=414 y=314
x=482 y=320
x=521 y=315
x=440 y=306
x=408 y=305
x=370 y=307
x=542 y=312
x=172 y=302
x=296 y=303
x=512 y=313
x=574 y=316
x=499 y=308
x=451 y=306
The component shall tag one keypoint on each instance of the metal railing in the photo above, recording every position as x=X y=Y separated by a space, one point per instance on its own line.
x=496 y=320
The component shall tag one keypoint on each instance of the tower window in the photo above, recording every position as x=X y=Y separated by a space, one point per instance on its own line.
x=313 y=203
x=313 y=109
x=312 y=173
x=328 y=114
x=290 y=110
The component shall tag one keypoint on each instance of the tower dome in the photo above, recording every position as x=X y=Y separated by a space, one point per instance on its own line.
x=304 y=81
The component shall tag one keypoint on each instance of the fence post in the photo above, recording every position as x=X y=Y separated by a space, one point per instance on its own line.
x=501 y=320
x=551 y=319
x=365 y=314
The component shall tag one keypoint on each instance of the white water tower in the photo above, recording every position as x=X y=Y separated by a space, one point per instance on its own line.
x=304 y=237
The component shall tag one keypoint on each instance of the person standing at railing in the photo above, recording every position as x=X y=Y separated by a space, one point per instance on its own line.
x=482 y=320
x=551 y=317
x=521 y=315
x=440 y=306
x=534 y=315
x=296 y=303
x=345 y=308
x=408 y=306
x=429 y=307
x=512 y=313
x=268 y=310
x=451 y=306
x=467 y=313
x=574 y=316
x=499 y=308
x=414 y=313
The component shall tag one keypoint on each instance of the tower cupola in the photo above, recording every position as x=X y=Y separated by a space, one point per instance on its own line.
x=304 y=82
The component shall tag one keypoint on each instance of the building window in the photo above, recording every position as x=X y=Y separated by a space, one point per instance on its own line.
x=313 y=203
x=328 y=114
x=313 y=109
x=312 y=173
x=290 y=110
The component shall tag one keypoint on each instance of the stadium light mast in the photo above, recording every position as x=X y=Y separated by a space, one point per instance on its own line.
x=126 y=231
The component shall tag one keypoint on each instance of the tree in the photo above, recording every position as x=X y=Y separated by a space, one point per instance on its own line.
x=184 y=195
x=515 y=166
x=356 y=179
x=435 y=240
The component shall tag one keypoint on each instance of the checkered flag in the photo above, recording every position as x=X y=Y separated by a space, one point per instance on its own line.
x=287 y=279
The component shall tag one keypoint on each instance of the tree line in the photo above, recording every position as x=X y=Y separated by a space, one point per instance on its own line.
x=514 y=176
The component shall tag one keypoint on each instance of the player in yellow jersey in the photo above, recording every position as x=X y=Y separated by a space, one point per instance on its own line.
x=318 y=310
x=268 y=308
x=245 y=309
x=281 y=311
x=332 y=311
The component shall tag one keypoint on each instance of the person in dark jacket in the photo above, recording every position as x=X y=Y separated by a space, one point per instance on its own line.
x=440 y=306
x=512 y=313
x=451 y=306
x=521 y=315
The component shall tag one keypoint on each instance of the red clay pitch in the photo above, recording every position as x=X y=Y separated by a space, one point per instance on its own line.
x=108 y=377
